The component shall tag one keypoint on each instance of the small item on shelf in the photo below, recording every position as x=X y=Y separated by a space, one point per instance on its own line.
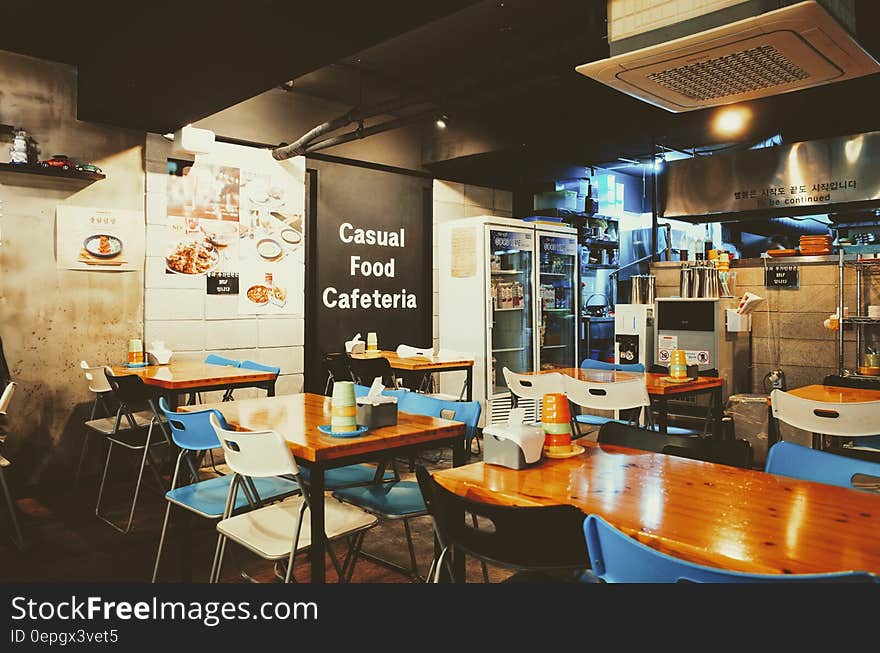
x=19 y=151
x=89 y=167
x=781 y=252
x=58 y=161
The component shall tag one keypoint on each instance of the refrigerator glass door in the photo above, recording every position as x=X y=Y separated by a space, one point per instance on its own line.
x=510 y=292
x=557 y=302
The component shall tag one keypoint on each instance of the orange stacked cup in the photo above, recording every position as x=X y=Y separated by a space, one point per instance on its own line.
x=556 y=422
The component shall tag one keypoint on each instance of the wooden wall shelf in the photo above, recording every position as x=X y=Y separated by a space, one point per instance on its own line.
x=17 y=174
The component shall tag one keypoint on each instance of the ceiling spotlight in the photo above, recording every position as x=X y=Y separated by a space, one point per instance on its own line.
x=731 y=121
x=442 y=121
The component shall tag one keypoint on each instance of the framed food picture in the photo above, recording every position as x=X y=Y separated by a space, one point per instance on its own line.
x=99 y=240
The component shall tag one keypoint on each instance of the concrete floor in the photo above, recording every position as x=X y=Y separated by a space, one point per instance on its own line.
x=66 y=542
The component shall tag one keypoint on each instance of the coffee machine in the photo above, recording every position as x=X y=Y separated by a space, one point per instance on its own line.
x=634 y=334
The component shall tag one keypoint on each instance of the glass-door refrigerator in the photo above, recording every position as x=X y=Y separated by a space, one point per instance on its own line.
x=556 y=315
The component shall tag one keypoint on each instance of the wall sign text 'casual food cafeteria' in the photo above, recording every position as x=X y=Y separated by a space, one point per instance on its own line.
x=358 y=267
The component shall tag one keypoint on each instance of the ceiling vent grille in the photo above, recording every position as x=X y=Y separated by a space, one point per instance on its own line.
x=786 y=50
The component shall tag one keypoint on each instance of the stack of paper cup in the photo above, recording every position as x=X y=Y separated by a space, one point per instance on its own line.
x=343 y=407
x=135 y=351
x=556 y=421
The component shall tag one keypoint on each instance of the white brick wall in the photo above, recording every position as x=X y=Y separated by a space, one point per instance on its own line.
x=194 y=324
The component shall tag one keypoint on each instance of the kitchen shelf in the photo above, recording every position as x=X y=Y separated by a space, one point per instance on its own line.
x=597 y=242
x=555 y=274
x=498 y=351
x=861 y=319
x=9 y=172
x=599 y=266
x=553 y=346
x=870 y=265
x=556 y=310
x=507 y=271
x=518 y=308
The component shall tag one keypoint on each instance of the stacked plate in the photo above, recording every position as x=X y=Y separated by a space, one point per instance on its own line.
x=815 y=245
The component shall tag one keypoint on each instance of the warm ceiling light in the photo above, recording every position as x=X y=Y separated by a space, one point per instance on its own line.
x=441 y=122
x=731 y=121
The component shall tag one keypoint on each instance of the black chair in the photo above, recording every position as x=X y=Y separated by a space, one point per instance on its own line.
x=548 y=540
x=131 y=393
x=364 y=370
x=337 y=369
x=736 y=453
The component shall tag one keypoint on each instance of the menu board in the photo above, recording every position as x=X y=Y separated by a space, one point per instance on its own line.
x=235 y=216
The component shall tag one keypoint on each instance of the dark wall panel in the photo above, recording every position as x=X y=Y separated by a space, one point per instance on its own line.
x=384 y=203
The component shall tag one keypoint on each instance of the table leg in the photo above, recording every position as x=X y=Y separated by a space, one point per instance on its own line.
x=715 y=412
x=171 y=398
x=316 y=510
x=662 y=414
x=459 y=458
x=270 y=389
x=469 y=382
x=772 y=428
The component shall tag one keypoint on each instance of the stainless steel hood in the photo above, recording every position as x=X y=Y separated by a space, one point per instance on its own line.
x=780 y=51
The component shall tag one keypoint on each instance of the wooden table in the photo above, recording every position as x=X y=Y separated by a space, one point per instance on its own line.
x=197 y=376
x=660 y=390
x=827 y=393
x=427 y=365
x=297 y=417
x=710 y=514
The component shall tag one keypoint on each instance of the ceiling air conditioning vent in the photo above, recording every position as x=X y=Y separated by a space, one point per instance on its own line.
x=777 y=52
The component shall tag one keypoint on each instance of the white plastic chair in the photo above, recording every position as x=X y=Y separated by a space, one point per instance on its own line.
x=533 y=386
x=848 y=420
x=615 y=396
x=5 y=398
x=280 y=530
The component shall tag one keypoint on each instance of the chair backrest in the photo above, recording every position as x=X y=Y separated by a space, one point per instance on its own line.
x=634 y=437
x=460 y=411
x=534 y=386
x=128 y=389
x=252 y=365
x=734 y=453
x=193 y=431
x=593 y=364
x=364 y=370
x=259 y=454
x=827 y=418
x=363 y=391
x=795 y=461
x=95 y=378
x=337 y=366
x=549 y=537
x=214 y=359
x=6 y=397
x=617 y=395
x=617 y=558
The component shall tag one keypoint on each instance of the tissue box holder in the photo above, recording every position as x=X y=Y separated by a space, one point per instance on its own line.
x=378 y=415
x=498 y=450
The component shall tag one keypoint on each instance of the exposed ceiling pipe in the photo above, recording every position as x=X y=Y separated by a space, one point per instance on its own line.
x=357 y=114
x=331 y=141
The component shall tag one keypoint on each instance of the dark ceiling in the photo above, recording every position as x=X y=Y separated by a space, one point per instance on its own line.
x=506 y=67
x=160 y=64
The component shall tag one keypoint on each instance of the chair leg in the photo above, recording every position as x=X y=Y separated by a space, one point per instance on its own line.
x=482 y=562
x=17 y=539
x=103 y=480
x=137 y=488
x=161 y=541
x=412 y=551
x=217 y=565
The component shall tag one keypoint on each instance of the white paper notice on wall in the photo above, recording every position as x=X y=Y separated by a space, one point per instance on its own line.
x=665 y=345
x=99 y=240
x=464 y=252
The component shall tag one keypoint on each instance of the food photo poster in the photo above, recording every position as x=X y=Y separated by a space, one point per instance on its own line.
x=99 y=240
x=236 y=216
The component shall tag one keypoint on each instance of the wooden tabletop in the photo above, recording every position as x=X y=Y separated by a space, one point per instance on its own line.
x=655 y=382
x=417 y=363
x=297 y=417
x=710 y=514
x=835 y=394
x=193 y=374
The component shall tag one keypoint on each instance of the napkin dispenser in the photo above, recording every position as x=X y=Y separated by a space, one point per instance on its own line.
x=158 y=354
x=376 y=410
x=355 y=345
x=514 y=445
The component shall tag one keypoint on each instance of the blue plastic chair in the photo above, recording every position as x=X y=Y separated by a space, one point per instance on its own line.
x=251 y=365
x=403 y=499
x=617 y=558
x=363 y=391
x=795 y=461
x=214 y=359
x=192 y=432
